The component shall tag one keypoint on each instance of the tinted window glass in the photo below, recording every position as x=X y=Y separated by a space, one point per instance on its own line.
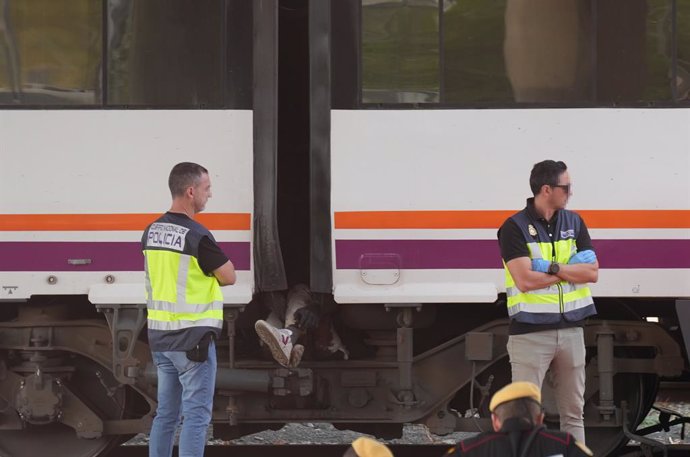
x=634 y=51
x=239 y=29
x=658 y=50
x=345 y=63
x=500 y=52
x=400 y=57
x=548 y=49
x=166 y=53
x=50 y=52
x=473 y=65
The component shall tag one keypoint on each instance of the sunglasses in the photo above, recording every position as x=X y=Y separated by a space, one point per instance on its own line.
x=565 y=187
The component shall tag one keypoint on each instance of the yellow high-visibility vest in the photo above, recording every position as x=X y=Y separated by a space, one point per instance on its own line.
x=571 y=301
x=183 y=303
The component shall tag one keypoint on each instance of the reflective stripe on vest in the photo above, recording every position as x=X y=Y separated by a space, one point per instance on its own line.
x=573 y=301
x=545 y=301
x=178 y=321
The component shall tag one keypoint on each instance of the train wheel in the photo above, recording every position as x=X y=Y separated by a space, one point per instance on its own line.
x=96 y=388
x=638 y=390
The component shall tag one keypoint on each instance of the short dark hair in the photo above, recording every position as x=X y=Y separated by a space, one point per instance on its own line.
x=545 y=172
x=184 y=175
x=522 y=408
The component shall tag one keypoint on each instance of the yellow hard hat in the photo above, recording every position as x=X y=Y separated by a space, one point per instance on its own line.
x=367 y=447
x=513 y=391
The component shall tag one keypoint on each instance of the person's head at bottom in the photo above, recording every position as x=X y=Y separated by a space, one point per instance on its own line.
x=516 y=402
x=367 y=447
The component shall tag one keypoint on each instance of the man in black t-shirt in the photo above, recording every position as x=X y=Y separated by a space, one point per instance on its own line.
x=549 y=259
x=185 y=269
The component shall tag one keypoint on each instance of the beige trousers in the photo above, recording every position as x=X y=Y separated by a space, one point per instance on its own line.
x=562 y=351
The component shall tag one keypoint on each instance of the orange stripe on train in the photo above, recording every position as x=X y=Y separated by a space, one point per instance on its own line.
x=103 y=222
x=621 y=219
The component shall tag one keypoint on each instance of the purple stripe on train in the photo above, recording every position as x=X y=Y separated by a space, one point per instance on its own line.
x=485 y=254
x=104 y=256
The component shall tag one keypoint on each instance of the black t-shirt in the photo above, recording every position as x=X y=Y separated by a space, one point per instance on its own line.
x=513 y=246
x=211 y=256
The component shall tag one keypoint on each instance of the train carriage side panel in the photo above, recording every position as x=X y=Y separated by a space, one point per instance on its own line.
x=417 y=197
x=79 y=187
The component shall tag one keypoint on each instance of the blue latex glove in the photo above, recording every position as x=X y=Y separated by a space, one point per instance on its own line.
x=583 y=257
x=540 y=265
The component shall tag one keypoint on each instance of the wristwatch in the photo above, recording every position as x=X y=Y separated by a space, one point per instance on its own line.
x=554 y=268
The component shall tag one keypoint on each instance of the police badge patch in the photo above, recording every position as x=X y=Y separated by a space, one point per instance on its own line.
x=532 y=231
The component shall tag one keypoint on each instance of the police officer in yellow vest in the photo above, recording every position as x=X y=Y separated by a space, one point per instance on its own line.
x=549 y=259
x=185 y=268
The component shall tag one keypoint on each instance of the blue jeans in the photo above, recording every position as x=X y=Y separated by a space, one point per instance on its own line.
x=185 y=388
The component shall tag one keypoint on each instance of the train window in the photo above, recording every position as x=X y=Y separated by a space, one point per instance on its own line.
x=400 y=51
x=50 y=52
x=536 y=52
x=473 y=66
x=575 y=52
x=239 y=52
x=547 y=50
x=166 y=53
x=634 y=51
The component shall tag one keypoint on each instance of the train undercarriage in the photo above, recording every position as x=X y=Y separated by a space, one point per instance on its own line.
x=87 y=384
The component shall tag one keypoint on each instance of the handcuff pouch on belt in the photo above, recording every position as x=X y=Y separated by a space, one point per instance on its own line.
x=199 y=353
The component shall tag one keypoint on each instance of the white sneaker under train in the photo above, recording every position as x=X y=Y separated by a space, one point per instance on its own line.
x=277 y=340
x=296 y=355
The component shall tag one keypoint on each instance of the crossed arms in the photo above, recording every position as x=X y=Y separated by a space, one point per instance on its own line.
x=527 y=279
